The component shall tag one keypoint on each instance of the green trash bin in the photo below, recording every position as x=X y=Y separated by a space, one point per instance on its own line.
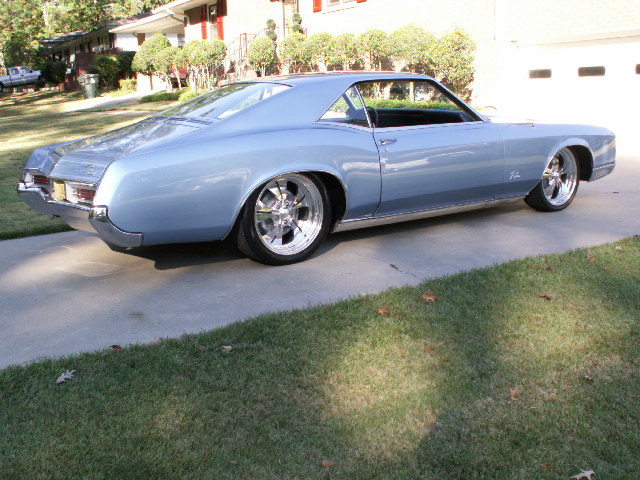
x=89 y=84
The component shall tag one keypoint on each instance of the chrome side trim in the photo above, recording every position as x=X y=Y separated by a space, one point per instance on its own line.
x=603 y=171
x=354 y=224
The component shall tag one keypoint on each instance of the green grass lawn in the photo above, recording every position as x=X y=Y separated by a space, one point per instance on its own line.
x=30 y=121
x=527 y=370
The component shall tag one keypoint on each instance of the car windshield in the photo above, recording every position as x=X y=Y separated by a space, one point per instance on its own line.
x=225 y=101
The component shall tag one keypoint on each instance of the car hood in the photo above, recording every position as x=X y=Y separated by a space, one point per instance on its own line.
x=86 y=160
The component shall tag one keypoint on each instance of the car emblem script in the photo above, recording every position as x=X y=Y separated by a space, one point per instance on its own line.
x=91 y=169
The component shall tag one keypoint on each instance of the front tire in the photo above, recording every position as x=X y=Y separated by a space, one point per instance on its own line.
x=559 y=183
x=286 y=220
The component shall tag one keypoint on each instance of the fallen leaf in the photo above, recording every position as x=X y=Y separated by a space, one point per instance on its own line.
x=514 y=393
x=620 y=249
x=157 y=341
x=585 y=474
x=227 y=348
x=549 y=267
x=590 y=257
x=548 y=467
x=607 y=270
x=586 y=376
x=202 y=348
x=384 y=310
x=233 y=462
x=328 y=463
x=545 y=296
x=206 y=457
x=117 y=348
x=68 y=375
x=429 y=296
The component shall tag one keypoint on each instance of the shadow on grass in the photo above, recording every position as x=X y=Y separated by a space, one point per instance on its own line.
x=490 y=381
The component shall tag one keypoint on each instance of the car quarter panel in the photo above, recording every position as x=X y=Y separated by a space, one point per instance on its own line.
x=529 y=147
x=195 y=191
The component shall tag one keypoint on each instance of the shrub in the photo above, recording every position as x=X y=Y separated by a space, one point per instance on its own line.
x=163 y=96
x=202 y=57
x=391 y=103
x=54 y=71
x=292 y=52
x=262 y=53
x=452 y=62
x=128 y=85
x=344 y=51
x=318 y=50
x=108 y=67
x=187 y=94
x=373 y=47
x=410 y=48
x=143 y=61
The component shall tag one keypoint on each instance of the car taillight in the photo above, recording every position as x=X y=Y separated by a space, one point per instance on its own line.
x=41 y=179
x=85 y=194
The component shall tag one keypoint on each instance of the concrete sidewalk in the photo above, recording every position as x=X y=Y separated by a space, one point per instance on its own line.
x=68 y=293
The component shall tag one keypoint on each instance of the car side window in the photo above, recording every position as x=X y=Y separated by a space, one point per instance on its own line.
x=25 y=70
x=13 y=71
x=404 y=103
x=347 y=109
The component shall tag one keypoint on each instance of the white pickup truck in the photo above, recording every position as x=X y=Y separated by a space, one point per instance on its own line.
x=19 y=76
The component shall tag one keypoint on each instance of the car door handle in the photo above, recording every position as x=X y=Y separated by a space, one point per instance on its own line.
x=387 y=141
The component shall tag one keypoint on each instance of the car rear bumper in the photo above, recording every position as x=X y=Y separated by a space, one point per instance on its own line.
x=81 y=217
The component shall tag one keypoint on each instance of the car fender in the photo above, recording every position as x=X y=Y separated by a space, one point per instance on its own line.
x=195 y=192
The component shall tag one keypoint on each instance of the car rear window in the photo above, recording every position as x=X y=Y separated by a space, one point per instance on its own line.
x=225 y=101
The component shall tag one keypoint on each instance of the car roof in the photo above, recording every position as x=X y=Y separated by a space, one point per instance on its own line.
x=338 y=77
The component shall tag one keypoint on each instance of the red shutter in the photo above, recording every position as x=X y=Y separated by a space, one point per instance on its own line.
x=360 y=1
x=203 y=21
x=317 y=5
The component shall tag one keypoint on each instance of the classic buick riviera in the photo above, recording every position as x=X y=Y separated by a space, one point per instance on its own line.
x=277 y=163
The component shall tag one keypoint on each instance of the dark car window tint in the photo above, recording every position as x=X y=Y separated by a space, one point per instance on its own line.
x=225 y=101
x=347 y=109
x=404 y=103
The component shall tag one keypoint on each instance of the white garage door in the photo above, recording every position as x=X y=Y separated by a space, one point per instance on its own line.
x=588 y=81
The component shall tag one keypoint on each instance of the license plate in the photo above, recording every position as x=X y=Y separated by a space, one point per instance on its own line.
x=59 y=190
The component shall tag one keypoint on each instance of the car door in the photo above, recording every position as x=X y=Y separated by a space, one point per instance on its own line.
x=27 y=75
x=434 y=151
x=14 y=75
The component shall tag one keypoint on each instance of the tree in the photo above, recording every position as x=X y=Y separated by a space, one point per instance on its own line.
x=168 y=62
x=292 y=53
x=344 y=51
x=262 y=53
x=317 y=50
x=410 y=47
x=143 y=60
x=452 y=59
x=203 y=56
x=373 y=46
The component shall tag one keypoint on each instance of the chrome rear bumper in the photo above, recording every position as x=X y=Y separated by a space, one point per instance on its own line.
x=81 y=217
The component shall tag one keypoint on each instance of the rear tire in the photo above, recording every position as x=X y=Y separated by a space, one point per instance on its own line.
x=559 y=183
x=286 y=220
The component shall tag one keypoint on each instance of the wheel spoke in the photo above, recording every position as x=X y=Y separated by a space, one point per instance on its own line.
x=289 y=213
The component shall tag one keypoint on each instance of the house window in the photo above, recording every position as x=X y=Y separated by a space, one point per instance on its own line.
x=541 y=73
x=638 y=69
x=331 y=3
x=181 y=40
x=591 y=71
x=318 y=4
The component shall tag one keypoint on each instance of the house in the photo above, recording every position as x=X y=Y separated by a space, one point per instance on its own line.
x=535 y=57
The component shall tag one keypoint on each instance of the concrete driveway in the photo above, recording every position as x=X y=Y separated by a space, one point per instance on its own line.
x=68 y=293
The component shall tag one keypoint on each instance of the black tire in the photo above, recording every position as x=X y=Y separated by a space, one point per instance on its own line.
x=1 y=87
x=285 y=220
x=559 y=183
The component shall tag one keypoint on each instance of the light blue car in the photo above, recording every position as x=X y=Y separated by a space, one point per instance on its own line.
x=277 y=163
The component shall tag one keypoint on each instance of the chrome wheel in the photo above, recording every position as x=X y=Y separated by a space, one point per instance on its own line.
x=289 y=214
x=558 y=185
x=560 y=178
